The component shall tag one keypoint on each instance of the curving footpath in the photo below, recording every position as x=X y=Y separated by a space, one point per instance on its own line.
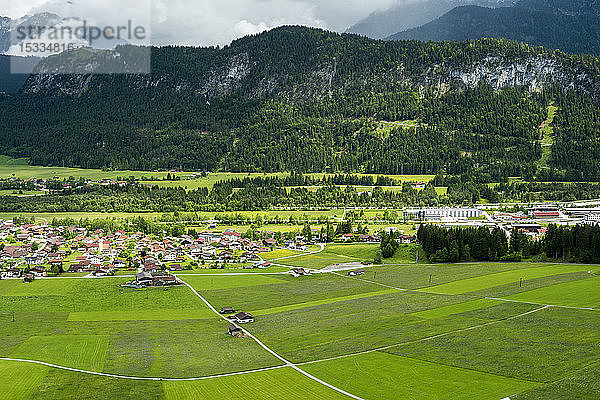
x=286 y=363
x=261 y=344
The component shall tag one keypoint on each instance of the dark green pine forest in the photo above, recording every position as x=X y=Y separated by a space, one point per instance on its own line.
x=569 y=25
x=305 y=100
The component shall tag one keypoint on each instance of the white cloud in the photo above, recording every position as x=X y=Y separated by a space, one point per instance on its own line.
x=244 y=28
x=208 y=22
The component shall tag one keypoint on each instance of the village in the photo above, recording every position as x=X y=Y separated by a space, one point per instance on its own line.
x=29 y=251
x=38 y=250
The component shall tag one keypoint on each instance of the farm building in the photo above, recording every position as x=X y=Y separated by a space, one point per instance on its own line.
x=356 y=272
x=244 y=317
x=296 y=272
x=143 y=278
x=234 y=330
x=227 y=310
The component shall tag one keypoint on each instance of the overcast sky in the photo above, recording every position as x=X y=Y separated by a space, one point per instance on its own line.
x=207 y=22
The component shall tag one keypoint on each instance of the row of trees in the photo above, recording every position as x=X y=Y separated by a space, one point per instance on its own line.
x=467 y=244
x=227 y=196
x=577 y=243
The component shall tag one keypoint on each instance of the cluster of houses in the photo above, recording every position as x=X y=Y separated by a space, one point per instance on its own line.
x=153 y=279
x=240 y=317
x=41 y=249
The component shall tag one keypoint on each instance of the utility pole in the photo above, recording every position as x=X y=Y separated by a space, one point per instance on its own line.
x=430 y=279
x=520 y=282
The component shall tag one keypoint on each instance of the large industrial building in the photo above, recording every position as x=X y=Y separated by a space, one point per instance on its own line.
x=441 y=213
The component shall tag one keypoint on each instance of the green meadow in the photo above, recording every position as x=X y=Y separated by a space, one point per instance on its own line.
x=582 y=293
x=21 y=169
x=501 y=278
x=283 y=383
x=391 y=333
x=380 y=375
x=350 y=253
x=452 y=309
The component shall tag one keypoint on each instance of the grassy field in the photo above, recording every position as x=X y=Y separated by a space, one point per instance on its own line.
x=314 y=303
x=147 y=315
x=539 y=347
x=347 y=253
x=19 y=168
x=283 y=383
x=79 y=215
x=21 y=193
x=581 y=293
x=86 y=352
x=582 y=385
x=385 y=376
x=19 y=380
x=452 y=309
x=96 y=325
x=231 y=269
x=279 y=253
x=501 y=278
x=226 y=282
x=359 y=334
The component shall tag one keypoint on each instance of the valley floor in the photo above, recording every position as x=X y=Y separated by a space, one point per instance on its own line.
x=460 y=331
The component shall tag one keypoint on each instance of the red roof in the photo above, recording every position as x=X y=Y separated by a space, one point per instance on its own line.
x=542 y=214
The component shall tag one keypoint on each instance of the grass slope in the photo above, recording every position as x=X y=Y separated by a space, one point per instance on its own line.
x=501 y=278
x=445 y=311
x=581 y=293
x=146 y=315
x=283 y=383
x=540 y=347
x=19 y=380
x=385 y=376
x=86 y=352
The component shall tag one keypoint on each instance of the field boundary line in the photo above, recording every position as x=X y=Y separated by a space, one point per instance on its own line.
x=566 y=376
x=139 y=378
x=542 y=304
x=427 y=338
x=286 y=362
x=461 y=368
x=469 y=296
x=373 y=282
x=322 y=245
x=235 y=274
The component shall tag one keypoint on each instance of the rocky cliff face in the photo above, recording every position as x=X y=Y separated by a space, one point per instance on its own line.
x=4 y=34
x=249 y=72
x=534 y=73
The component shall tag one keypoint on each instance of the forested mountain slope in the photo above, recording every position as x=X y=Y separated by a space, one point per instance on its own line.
x=12 y=83
x=569 y=25
x=407 y=14
x=307 y=100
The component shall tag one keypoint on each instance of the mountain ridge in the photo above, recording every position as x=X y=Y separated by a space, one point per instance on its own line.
x=303 y=99
x=410 y=14
x=537 y=22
